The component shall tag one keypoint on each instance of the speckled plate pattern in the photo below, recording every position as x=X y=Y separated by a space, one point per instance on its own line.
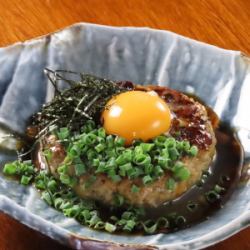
x=219 y=77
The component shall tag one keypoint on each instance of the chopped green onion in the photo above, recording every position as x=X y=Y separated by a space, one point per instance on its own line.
x=47 y=197
x=134 y=172
x=147 y=179
x=119 y=150
x=127 y=215
x=25 y=180
x=128 y=155
x=135 y=189
x=163 y=161
x=162 y=222
x=212 y=196
x=119 y=200
x=67 y=180
x=96 y=162
x=125 y=168
x=178 y=165
x=52 y=185
x=84 y=215
x=63 y=133
x=148 y=169
x=40 y=184
x=186 y=145
x=66 y=204
x=147 y=147
x=158 y=170
x=119 y=141
x=48 y=154
x=149 y=226
x=111 y=153
x=129 y=226
x=181 y=173
x=74 y=151
x=160 y=140
x=100 y=147
x=99 y=225
x=138 y=150
x=110 y=227
x=58 y=203
x=142 y=159
x=94 y=219
x=72 y=211
x=193 y=151
x=89 y=139
x=218 y=189
x=101 y=132
x=88 y=126
x=173 y=154
x=121 y=160
x=110 y=141
x=170 y=184
x=180 y=220
x=170 y=143
x=102 y=168
x=111 y=172
x=115 y=178
x=63 y=169
x=91 y=154
x=10 y=169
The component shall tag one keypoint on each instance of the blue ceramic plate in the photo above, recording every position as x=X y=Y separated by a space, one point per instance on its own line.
x=219 y=77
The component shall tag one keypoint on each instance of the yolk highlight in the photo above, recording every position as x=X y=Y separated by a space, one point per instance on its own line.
x=136 y=115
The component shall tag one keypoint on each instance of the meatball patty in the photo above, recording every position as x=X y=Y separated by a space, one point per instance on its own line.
x=190 y=122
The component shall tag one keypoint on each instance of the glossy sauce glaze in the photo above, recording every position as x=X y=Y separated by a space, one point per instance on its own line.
x=183 y=109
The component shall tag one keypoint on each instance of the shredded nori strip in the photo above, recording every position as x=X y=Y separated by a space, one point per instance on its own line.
x=83 y=100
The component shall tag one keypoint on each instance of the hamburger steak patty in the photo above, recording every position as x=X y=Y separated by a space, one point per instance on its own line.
x=190 y=122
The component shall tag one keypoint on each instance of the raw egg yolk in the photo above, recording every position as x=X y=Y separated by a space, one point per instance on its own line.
x=136 y=115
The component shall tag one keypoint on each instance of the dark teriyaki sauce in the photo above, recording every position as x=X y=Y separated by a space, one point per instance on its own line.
x=225 y=171
x=201 y=201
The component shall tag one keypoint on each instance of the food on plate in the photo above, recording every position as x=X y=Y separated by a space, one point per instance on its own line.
x=176 y=147
x=107 y=153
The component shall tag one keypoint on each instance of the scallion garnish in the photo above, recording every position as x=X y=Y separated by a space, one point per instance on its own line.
x=119 y=200
x=180 y=172
x=135 y=189
x=25 y=180
x=80 y=169
x=106 y=154
x=147 y=179
x=212 y=196
x=10 y=169
x=170 y=184
x=110 y=227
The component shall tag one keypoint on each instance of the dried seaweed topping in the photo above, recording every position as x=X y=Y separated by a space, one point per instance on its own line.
x=83 y=100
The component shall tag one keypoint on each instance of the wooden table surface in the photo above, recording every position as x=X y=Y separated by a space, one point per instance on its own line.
x=225 y=23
